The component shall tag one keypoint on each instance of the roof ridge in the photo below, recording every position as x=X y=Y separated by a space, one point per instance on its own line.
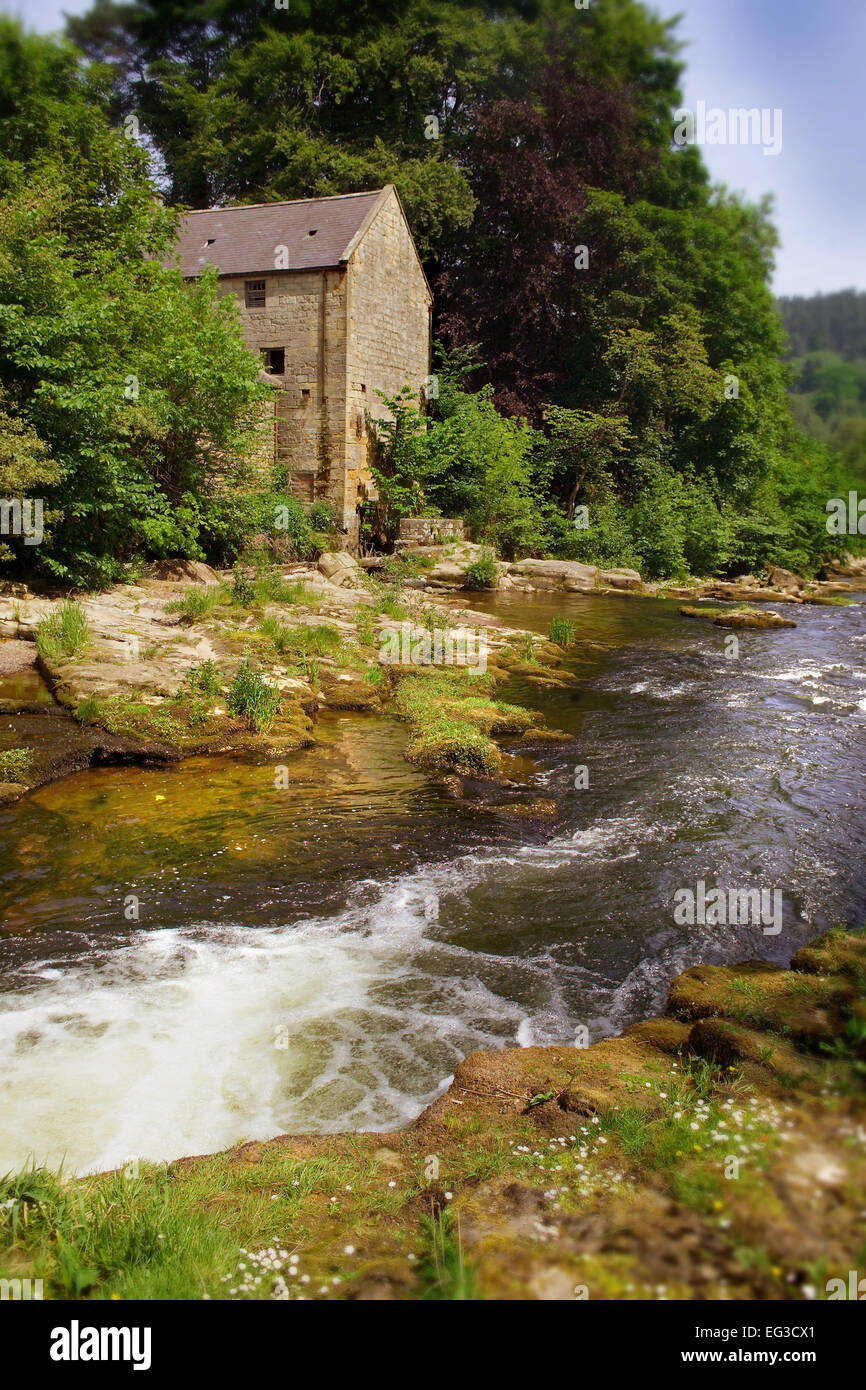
x=291 y=202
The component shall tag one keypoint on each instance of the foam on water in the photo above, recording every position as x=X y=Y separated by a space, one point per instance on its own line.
x=187 y=1040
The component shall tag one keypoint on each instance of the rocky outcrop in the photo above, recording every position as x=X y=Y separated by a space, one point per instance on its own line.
x=570 y=575
x=341 y=568
x=621 y=579
x=738 y=617
x=786 y=580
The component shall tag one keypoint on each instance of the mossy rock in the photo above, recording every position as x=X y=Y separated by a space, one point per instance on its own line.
x=737 y=617
x=354 y=694
x=766 y=997
x=667 y=1034
x=837 y=953
x=455 y=749
x=11 y=791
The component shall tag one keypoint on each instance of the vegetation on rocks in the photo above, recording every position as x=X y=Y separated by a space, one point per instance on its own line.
x=251 y=698
x=64 y=634
x=709 y=1154
x=15 y=764
x=740 y=616
x=453 y=718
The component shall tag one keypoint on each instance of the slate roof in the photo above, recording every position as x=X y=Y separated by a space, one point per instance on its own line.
x=241 y=241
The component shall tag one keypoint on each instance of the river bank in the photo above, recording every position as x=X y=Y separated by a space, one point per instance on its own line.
x=152 y=681
x=716 y=1152
x=193 y=958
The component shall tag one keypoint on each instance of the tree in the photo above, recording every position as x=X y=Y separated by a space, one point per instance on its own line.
x=134 y=384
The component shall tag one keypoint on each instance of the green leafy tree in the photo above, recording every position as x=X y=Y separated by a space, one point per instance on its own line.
x=137 y=386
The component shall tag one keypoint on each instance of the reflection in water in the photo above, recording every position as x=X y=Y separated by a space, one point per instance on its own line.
x=321 y=958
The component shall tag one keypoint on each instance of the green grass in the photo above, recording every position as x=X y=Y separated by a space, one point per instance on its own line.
x=63 y=634
x=445 y=1272
x=406 y=565
x=271 y=587
x=125 y=716
x=301 y=641
x=15 y=764
x=198 y=602
x=366 y=627
x=252 y=699
x=388 y=600
x=452 y=718
x=561 y=631
x=391 y=606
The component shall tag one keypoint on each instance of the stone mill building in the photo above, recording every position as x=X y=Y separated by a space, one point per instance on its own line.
x=333 y=296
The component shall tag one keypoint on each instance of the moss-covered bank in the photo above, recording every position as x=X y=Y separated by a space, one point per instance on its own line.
x=716 y=1152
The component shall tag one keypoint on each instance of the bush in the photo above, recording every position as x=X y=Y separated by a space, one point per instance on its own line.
x=252 y=699
x=274 y=522
x=483 y=573
x=63 y=634
x=243 y=592
x=321 y=518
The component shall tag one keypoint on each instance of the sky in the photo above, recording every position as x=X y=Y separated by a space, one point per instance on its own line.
x=806 y=58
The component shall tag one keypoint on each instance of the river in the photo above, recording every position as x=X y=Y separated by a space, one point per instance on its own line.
x=191 y=956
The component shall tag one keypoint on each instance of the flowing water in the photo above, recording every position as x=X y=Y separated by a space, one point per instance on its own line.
x=191 y=956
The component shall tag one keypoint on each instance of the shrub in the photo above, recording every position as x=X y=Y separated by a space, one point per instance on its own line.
x=273 y=521
x=63 y=634
x=252 y=699
x=483 y=573
x=243 y=592
x=321 y=517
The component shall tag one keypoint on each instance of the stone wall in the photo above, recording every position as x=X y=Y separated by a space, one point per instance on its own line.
x=305 y=315
x=389 y=333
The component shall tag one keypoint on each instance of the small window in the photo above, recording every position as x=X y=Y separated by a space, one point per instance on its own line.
x=363 y=387
x=255 y=294
x=305 y=393
x=275 y=360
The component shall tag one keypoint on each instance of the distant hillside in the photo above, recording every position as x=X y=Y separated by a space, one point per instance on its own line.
x=827 y=336
x=834 y=322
